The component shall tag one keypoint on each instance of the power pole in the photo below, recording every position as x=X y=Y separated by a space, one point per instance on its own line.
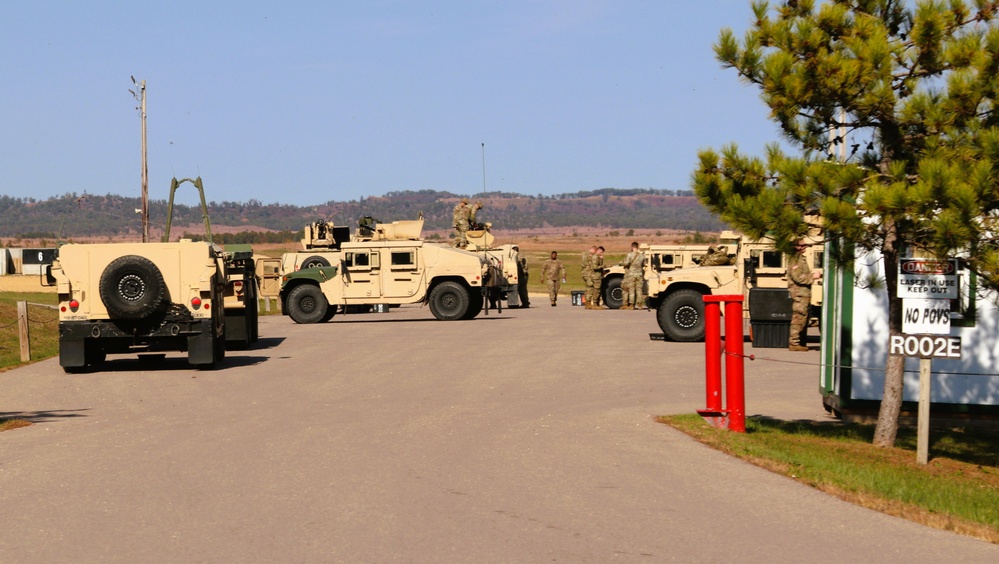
x=141 y=97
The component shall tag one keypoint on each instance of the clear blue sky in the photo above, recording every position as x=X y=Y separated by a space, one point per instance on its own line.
x=306 y=102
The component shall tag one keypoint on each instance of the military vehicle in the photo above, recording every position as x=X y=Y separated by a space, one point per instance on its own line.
x=677 y=295
x=241 y=296
x=148 y=297
x=503 y=257
x=664 y=257
x=320 y=245
x=388 y=264
x=142 y=297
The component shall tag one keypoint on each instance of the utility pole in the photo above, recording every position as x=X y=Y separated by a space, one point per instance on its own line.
x=141 y=97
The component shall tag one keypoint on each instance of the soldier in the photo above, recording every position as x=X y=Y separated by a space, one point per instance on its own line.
x=716 y=256
x=631 y=284
x=597 y=277
x=461 y=217
x=525 y=300
x=587 y=272
x=552 y=272
x=799 y=285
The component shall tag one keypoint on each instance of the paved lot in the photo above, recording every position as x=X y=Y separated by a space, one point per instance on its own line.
x=524 y=436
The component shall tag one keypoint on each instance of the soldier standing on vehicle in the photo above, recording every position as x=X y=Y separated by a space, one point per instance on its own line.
x=596 y=277
x=461 y=217
x=799 y=284
x=587 y=272
x=522 y=274
x=631 y=283
x=552 y=272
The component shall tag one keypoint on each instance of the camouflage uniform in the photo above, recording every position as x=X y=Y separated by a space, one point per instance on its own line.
x=553 y=272
x=461 y=217
x=799 y=284
x=631 y=284
x=596 y=279
x=587 y=273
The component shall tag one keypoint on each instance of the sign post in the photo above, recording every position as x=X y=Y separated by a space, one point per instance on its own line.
x=926 y=287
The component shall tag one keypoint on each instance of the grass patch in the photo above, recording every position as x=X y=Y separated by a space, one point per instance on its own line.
x=957 y=491
x=43 y=328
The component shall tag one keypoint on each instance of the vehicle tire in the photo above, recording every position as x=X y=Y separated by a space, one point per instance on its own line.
x=475 y=304
x=449 y=301
x=613 y=293
x=681 y=316
x=132 y=287
x=315 y=261
x=330 y=312
x=307 y=304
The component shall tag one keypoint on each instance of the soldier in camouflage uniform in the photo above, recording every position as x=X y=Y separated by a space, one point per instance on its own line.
x=596 y=278
x=631 y=284
x=522 y=275
x=799 y=284
x=587 y=273
x=461 y=217
x=552 y=272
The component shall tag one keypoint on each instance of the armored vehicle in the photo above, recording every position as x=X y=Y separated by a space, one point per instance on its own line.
x=241 y=295
x=658 y=258
x=135 y=298
x=677 y=295
x=503 y=257
x=391 y=266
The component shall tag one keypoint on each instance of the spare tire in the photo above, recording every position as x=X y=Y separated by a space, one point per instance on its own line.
x=315 y=261
x=132 y=287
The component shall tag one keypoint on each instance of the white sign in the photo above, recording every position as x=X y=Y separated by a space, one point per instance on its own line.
x=925 y=346
x=925 y=316
x=927 y=278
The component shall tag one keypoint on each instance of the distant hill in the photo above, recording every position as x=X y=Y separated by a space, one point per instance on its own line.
x=77 y=216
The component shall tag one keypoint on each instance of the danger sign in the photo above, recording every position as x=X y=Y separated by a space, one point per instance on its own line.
x=925 y=316
x=927 y=278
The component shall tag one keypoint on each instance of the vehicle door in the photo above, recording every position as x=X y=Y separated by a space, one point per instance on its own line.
x=403 y=274
x=361 y=275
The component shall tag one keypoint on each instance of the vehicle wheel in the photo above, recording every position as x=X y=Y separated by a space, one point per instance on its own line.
x=132 y=287
x=307 y=304
x=315 y=261
x=475 y=304
x=330 y=312
x=613 y=294
x=681 y=316
x=449 y=301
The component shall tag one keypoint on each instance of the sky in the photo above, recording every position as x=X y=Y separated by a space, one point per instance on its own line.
x=304 y=102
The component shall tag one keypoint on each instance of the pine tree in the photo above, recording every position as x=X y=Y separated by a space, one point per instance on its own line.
x=911 y=87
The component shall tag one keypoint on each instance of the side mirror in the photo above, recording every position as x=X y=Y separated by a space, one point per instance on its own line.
x=46 y=278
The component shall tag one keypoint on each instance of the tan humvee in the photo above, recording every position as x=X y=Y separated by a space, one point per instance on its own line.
x=503 y=257
x=391 y=265
x=135 y=298
x=677 y=294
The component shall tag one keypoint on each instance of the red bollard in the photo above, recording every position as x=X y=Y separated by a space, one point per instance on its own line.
x=712 y=354
x=734 y=417
x=735 y=385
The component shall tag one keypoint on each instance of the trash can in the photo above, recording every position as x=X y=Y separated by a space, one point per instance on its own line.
x=770 y=317
x=577 y=297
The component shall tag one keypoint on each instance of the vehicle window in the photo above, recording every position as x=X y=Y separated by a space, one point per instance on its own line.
x=772 y=259
x=403 y=258
x=353 y=260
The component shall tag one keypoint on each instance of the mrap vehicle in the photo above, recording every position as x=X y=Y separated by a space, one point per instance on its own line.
x=140 y=297
x=391 y=267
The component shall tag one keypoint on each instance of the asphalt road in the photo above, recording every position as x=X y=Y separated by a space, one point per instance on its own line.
x=525 y=436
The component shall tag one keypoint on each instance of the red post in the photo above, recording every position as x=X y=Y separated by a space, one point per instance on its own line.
x=712 y=353
x=735 y=386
